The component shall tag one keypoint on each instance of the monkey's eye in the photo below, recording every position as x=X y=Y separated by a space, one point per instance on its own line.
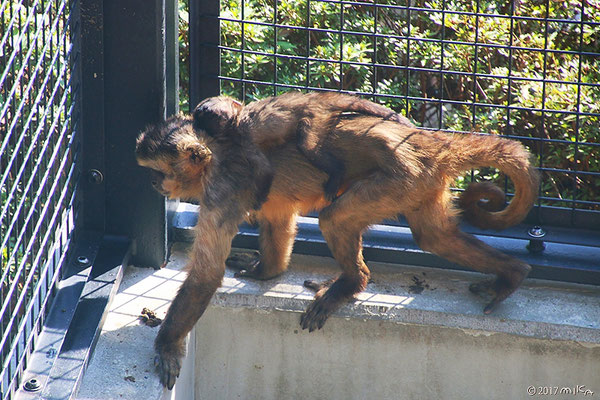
x=157 y=178
x=157 y=175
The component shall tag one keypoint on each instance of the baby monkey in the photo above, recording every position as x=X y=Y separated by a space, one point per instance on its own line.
x=296 y=117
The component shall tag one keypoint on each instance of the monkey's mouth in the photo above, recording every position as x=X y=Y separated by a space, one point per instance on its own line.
x=162 y=192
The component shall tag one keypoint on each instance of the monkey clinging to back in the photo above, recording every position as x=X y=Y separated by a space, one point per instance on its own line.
x=292 y=117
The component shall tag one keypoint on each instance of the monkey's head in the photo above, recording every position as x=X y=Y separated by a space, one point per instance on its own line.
x=177 y=156
x=214 y=113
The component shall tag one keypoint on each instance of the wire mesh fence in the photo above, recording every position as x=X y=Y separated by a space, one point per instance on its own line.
x=38 y=168
x=525 y=70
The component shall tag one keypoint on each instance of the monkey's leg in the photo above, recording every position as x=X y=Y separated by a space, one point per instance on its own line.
x=342 y=224
x=276 y=238
x=310 y=145
x=206 y=268
x=436 y=231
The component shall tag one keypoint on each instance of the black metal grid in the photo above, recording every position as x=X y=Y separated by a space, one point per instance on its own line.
x=38 y=169
x=528 y=71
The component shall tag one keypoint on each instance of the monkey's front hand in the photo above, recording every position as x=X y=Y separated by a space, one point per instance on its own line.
x=168 y=363
x=332 y=187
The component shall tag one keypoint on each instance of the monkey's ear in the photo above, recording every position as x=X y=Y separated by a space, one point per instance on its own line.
x=197 y=154
x=236 y=106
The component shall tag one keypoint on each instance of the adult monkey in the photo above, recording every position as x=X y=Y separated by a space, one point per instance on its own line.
x=390 y=169
x=224 y=174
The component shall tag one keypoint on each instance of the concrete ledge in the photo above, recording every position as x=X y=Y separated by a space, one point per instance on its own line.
x=414 y=333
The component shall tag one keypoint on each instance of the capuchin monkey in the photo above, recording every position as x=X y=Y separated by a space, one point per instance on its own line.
x=293 y=116
x=390 y=168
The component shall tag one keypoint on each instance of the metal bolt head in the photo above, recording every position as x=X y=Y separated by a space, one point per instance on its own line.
x=83 y=260
x=32 y=385
x=95 y=176
x=536 y=232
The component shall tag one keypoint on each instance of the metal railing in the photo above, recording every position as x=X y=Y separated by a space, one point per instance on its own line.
x=72 y=197
x=528 y=71
x=39 y=169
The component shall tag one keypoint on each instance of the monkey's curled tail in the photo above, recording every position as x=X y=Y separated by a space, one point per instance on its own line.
x=482 y=203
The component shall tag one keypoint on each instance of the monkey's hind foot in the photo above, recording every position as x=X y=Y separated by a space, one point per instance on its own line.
x=498 y=289
x=243 y=261
x=248 y=266
x=318 y=286
x=317 y=313
x=330 y=296
x=488 y=289
x=484 y=289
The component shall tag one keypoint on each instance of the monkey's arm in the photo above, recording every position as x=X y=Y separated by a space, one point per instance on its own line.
x=262 y=172
x=313 y=144
x=205 y=272
x=363 y=106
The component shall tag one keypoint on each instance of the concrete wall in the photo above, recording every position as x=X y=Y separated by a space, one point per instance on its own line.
x=252 y=354
x=393 y=342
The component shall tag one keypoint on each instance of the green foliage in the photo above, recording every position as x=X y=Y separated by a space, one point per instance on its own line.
x=184 y=56
x=534 y=71
x=35 y=97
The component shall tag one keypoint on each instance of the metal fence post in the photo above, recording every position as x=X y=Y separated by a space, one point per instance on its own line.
x=91 y=47
x=205 y=61
x=135 y=96
x=172 y=55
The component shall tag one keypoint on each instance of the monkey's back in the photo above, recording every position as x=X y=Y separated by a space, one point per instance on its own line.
x=273 y=121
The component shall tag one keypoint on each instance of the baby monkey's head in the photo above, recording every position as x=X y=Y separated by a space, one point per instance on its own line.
x=177 y=156
x=214 y=114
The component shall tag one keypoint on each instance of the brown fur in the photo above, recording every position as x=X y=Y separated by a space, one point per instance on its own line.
x=182 y=164
x=390 y=169
x=293 y=116
x=222 y=174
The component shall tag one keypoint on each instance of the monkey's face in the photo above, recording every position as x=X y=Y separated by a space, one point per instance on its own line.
x=179 y=159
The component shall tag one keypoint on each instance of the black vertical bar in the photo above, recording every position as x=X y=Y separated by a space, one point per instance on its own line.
x=341 y=76
x=134 y=87
x=243 y=48
x=544 y=77
x=275 y=59
x=307 y=82
x=375 y=43
x=442 y=76
x=172 y=55
x=578 y=115
x=508 y=129
x=91 y=44
x=171 y=78
x=205 y=60
x=407 y=65
x=475 y=67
